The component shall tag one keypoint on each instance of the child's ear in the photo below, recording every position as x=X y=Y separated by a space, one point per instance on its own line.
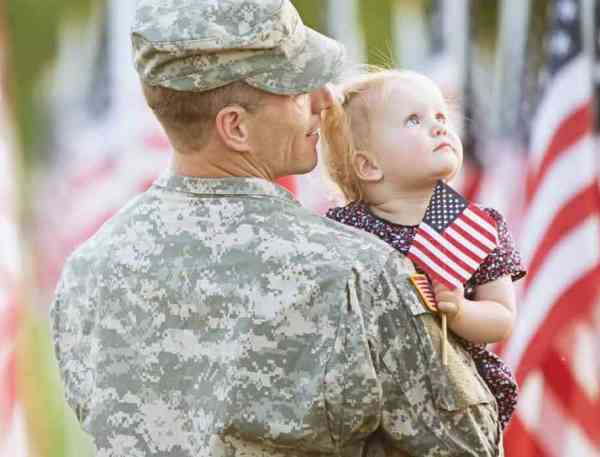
x=367 y=167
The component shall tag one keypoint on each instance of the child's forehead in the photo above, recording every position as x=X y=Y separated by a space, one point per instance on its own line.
x=411 y=92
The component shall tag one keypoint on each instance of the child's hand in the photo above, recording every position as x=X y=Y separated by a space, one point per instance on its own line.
x=449 y=301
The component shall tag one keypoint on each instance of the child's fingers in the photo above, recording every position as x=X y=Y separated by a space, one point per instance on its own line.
x=448 y=308
x=440 y=289
x=443 y=294
x=438 y=286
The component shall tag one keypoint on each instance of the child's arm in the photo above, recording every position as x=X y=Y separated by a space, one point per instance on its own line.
x=487 y=319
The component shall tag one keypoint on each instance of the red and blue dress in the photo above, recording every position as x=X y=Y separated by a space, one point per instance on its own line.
x=504 y=260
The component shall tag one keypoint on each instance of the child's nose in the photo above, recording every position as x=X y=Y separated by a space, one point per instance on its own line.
x=438 y=129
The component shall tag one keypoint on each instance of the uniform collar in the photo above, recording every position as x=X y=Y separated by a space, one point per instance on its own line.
x=242 y=186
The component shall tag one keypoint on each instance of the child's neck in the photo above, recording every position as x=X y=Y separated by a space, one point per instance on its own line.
x=405 y=208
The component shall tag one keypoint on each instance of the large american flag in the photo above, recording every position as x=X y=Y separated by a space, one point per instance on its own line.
x=556 y=340
x=453 y=239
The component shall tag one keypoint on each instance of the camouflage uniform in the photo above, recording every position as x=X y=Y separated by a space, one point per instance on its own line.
x=217 y=317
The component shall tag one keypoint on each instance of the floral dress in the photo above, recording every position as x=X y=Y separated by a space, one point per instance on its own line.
x=504 y=260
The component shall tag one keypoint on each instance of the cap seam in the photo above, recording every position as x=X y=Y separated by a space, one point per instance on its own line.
x=199 y=40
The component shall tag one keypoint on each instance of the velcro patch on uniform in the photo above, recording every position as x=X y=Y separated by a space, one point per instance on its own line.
x=425 y=291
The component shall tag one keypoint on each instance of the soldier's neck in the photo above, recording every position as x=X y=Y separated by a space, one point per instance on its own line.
x=218 y=164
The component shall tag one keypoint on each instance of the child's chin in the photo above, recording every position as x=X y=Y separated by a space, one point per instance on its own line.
x=446 y=173
x=451 y=169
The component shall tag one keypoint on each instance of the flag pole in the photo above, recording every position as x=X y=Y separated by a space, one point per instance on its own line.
x=444 y=339
x=467 y=84
x=510 y=65
x=591 y=34
x=591 y=44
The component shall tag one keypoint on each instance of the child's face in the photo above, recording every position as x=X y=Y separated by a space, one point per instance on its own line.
x=412 y=137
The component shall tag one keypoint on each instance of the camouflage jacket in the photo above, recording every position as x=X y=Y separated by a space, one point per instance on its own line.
x=217 y=317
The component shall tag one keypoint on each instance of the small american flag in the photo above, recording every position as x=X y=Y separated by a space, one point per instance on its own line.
x=453 y=239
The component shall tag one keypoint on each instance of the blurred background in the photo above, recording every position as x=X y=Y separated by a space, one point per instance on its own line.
x=77 y=142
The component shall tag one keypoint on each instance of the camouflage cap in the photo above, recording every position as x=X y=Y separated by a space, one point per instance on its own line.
x=198 y=45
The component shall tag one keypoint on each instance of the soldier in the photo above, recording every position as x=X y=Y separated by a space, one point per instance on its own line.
x=213 y=315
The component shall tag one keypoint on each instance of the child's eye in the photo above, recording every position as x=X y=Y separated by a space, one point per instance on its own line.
x=441 y=118
x=412 y=120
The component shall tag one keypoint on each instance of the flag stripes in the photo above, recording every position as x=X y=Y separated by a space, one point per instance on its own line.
x=466 y=228
x=462 y=238
x=554 y=108
x=448 y=249
x=480 y=220
x=573 y=172
x=583 y=293
x=568 y=218
x=521 y=441
x=569 y=133
x=576 y=403
x=548 y=424
x=441 y=257
x=559 y=284
x=452 y=244
x=439 y=273
x=460 y=245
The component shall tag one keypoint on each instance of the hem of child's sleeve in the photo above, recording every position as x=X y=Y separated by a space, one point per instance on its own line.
x=518 y=274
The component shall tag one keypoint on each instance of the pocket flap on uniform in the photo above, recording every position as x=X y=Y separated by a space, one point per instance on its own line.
x=457 y=385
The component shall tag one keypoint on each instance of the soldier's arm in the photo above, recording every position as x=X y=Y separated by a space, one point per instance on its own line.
x=70 y=325
x=428 y=408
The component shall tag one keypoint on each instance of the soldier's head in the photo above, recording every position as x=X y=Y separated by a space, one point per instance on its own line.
x=244 y=78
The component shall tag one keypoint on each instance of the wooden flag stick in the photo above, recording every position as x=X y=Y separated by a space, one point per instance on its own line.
x=444 y=339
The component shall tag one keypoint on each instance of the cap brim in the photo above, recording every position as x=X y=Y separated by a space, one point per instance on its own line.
x=321 y=61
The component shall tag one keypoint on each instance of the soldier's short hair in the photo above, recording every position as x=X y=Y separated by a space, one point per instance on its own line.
x=188 y=117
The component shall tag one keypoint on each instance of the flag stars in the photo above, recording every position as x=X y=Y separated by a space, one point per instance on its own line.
x=566 y=10
x=444 y=207
x=560 y=43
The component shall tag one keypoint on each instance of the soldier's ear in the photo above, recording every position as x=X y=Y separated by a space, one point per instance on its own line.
x=232 y=128
x=367 y=166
